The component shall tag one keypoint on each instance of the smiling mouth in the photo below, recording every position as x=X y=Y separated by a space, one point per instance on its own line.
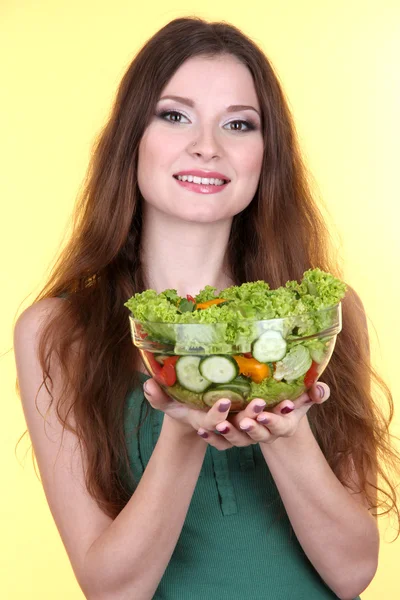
x=212 y=181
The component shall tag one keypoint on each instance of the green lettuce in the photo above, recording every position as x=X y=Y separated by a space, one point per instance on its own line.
x=273 y=391
x=208 y=293
x=153 y=307
x=247 y=303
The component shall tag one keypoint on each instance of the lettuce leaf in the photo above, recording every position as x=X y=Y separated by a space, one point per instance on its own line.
x=247 y=303
x=208 y=293
x=273 y=391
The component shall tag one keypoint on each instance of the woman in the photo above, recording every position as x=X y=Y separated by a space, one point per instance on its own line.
x=146 y=503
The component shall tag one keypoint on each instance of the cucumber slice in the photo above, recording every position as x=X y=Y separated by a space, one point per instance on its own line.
x=242 y=390
x=212 y=396
x=185 y=396
x=269 y=347
x=189 y=376
x=296 y=363
x=219 y=369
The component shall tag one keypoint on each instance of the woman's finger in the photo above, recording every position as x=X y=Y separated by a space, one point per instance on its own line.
x=284 y=419
x=159 y=400
x=155 y=395
x=217 y=414
x=317 y=394
x=268 y=426
x=237 y=437
x=252 y=410
x=218 y=441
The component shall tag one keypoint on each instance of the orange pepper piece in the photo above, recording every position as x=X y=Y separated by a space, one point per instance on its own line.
x=210 y=303
x=250 y=367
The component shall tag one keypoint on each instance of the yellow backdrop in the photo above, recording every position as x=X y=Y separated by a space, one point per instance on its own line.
x=61 y=64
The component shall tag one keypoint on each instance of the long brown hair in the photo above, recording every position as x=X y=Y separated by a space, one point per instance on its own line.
x=277 y=237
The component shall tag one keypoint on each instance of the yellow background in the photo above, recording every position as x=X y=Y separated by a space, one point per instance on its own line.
x=61 y=64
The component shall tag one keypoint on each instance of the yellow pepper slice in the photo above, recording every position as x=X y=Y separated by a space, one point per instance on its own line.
x=210 y=303
x=250 y=367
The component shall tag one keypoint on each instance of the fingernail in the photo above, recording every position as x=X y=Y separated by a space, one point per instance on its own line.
x=225 y=430
x=145 y=387
x=321 y=391
x=223 y=407
x=245 y=428
x=286 y=410
x=259 y=407
x=204 y=434
x=263 y=419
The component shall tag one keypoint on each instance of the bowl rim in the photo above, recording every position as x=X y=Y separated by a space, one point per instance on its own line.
x=337 y=306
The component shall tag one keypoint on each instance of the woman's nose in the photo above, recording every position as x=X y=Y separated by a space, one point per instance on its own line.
x=205 y=144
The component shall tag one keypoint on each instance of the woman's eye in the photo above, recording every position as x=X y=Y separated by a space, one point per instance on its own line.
x=173 y=113
x=248 y=124
x=176 y=117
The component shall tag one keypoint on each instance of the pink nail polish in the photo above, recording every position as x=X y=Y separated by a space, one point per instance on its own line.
x=286 y=410
x=224 y=431
x=263 y=420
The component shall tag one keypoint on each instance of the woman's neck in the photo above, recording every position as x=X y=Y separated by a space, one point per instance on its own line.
x=184 y=255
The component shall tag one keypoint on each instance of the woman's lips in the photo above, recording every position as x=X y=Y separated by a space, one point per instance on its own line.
x=201 y=188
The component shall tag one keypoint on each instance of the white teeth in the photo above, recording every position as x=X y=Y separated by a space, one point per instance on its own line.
x=202 y=180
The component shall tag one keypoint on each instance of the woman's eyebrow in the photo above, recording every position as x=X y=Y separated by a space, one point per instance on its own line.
x=189 y=102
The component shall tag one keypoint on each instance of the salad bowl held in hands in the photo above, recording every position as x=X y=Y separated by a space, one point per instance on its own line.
x=247 y=342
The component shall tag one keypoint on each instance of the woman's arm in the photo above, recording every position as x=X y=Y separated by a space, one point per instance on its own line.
x=336 y=531
x=129 y=558
x=112 y=559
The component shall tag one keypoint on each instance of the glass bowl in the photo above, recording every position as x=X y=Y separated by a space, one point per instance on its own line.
x=274 y=359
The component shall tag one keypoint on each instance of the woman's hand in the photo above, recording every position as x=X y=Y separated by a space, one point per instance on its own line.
x=202 y=422
x=250 y=426
x=190 y=419
x=280 y=421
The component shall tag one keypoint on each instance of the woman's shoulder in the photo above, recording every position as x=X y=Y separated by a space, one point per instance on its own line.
x=38 y=312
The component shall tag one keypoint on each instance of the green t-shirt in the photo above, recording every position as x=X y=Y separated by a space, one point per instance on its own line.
x=237 y=541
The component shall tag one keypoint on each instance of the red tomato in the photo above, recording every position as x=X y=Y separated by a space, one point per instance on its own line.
x=312 y=375
x=190 y=298
x=154 y=364
x=154 y=367
x=168 y=373
x=172 y=360
x=247 y=355
x=164 y=374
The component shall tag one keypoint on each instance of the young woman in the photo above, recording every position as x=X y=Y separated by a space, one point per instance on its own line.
x=153 y=499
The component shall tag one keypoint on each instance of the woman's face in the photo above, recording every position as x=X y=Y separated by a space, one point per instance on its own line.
x=228 y=141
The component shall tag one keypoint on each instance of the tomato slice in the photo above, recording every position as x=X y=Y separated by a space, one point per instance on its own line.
x=164 y=374
x=190 y=298
x=312 y=375
x=247 y=355
x=168 y=373
x=154 y=367
x=171 y=360
x=154 y=364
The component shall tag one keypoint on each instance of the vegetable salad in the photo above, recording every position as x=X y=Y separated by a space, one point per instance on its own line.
x=242 y=342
